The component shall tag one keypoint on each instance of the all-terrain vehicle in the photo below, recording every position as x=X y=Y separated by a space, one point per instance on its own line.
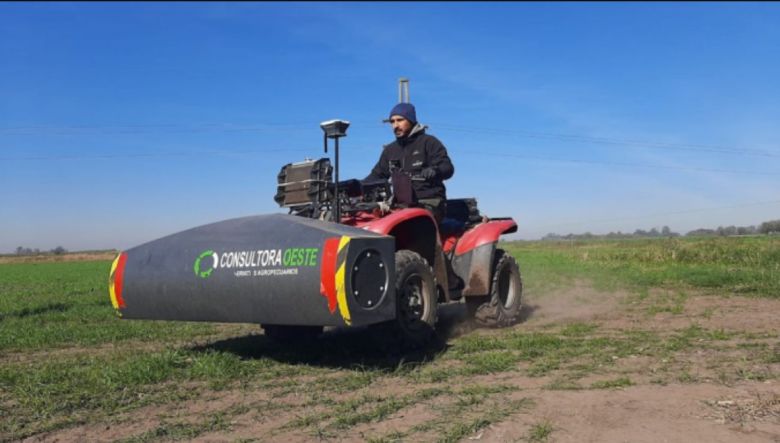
x=348 y=253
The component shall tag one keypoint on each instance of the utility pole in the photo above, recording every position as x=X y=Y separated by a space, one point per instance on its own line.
x=403 y=90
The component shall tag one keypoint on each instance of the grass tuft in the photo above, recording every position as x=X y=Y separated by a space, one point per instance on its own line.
x=540 y=432
x=621 y=382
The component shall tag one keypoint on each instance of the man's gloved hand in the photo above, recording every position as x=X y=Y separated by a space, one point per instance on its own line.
x=428 y=173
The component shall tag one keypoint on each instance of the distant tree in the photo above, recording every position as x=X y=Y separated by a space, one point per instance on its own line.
x=701 y=233
x=770 y=227
x=726 y=231
x=747 y=230
x=25 y=251
x=59 y=250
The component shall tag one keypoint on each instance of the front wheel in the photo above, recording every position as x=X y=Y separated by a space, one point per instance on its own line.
x=502 y=307
x=415 y=287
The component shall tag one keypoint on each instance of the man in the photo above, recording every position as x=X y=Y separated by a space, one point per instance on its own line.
x=418 y=155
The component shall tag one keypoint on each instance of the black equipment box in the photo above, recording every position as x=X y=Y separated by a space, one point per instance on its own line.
x=303 y=183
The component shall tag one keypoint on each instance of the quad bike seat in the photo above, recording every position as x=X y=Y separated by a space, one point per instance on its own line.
x=451 y=226
x=462 y=214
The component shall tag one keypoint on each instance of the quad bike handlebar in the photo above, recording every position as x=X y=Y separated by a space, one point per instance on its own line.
x=366 y=196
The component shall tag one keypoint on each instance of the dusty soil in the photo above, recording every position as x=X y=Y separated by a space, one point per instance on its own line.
x=714 y=402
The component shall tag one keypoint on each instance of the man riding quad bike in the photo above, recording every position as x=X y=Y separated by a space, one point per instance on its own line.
x=434 y=263
x=349 y=253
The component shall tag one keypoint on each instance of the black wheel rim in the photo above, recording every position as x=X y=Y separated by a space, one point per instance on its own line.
x=507 y=287
x=412 y=302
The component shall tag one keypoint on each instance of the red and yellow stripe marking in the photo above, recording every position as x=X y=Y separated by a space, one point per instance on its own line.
x=333 y=284
x=116 y=279
x=330 y=252
x=341 y=283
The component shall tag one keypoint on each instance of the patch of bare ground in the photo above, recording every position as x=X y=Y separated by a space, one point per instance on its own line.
x=404 y=420
x=156 y=420
x=277 y=427
x=673 y=413
x=577 y=303
x=732 y=313
x=75 y=352
x=659 y=310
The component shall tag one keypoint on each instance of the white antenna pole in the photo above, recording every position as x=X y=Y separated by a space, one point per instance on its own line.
x=403 y=90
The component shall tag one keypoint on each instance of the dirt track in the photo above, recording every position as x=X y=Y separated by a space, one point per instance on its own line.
x=713 y=393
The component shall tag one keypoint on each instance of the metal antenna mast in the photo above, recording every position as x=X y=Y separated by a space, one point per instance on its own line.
x=403 y=90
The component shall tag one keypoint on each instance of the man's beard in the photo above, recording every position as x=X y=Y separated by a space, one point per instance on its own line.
x=399 y=133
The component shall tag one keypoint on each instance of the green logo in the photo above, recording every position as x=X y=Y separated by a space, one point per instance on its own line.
x=201 y=272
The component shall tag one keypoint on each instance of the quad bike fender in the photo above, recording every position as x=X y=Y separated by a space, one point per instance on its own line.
x=473 y=257
x=484 y=233
x=388 y=223
x=415 y=229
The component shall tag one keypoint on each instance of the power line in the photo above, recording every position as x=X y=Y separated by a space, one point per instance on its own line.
x=688 y=211
x=162 y=128
x=151 y=154
x=276 y=126
x=612 y=141
x=604 y=140
x=605 y=163
x=172 y=128
x=214 y=152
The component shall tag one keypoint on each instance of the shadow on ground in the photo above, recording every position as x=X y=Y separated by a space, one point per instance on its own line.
x=40 y=310
x=365 y=347
x=375 y=347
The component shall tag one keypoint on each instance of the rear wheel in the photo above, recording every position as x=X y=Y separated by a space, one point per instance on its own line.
x=502 y=307
x=415 y=287
x=291 y=334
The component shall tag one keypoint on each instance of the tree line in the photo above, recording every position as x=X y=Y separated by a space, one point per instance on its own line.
x=768 y=227
x=59 y=250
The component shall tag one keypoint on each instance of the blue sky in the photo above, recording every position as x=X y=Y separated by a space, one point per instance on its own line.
x=121 y=122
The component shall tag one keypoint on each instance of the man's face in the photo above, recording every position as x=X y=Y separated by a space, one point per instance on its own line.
x=401 y=126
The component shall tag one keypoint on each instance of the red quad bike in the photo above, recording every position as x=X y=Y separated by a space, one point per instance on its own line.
x=386 y=261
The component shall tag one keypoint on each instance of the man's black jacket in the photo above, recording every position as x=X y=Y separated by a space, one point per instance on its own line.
x=413 y=154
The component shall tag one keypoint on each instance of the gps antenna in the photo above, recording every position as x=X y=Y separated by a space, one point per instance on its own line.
x=335 y=129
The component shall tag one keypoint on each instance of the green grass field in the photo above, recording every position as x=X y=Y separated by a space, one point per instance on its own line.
x=739 y=265
x=68 y=361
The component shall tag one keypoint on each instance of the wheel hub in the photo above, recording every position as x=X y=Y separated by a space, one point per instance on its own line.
x=411 y=304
